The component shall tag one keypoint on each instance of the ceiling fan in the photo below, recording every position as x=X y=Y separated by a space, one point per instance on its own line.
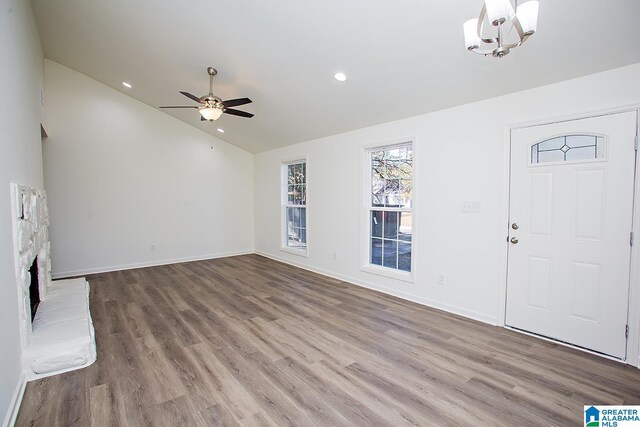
x=211 y=107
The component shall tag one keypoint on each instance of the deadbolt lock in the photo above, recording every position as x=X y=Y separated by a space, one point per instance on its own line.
x=515 y=226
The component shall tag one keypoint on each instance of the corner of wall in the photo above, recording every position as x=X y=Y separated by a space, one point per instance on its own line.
x=16 y=400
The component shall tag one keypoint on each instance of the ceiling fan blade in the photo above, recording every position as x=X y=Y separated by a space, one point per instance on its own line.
x=237 y=113
x=188 y=95
x=180 y=106
x=236 y=102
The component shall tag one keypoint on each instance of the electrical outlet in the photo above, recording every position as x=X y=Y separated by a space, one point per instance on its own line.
x=152 y=248
x=441 y=279
x=334 y=256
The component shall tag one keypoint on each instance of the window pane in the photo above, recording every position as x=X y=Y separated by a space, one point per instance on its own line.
x=290 y=174
x=298 y=196
x=290 y=217
x=304 y=172
x=406 y=193
x=391 y=225
x=393 y=169
x=575 y=141
x=391 y=186
x=376 y=251
x=290 y=194
x=296 y=217
x=410 y=153
x=377 y=155
x=393 y=153
x=405 y=230
x=303 y=235
x=392 y=192
x=582 y=153
x=550 y=156
x=377 y=169
x=303 y=217
x=390 y=253
x=302 y=188
x=376 y=223
x=404 y=256
x=551 y=144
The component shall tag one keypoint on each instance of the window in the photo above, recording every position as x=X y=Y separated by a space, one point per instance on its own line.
x=294 y=188
x=390 y=207
x=568 y=148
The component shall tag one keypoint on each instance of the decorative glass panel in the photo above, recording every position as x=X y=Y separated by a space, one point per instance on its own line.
x=568 y=148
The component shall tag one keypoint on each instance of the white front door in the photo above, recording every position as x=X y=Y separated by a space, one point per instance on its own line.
x=571 y=205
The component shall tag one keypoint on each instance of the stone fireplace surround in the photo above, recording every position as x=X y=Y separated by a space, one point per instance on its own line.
x=61 y=337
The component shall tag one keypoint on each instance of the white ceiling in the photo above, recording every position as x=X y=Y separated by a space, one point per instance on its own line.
x=402 y=57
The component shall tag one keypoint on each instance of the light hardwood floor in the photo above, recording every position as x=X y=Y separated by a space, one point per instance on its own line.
x=249 y=341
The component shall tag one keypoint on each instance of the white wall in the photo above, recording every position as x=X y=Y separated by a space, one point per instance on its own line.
x=460 y=155
x=122 y=176
x=21 y=77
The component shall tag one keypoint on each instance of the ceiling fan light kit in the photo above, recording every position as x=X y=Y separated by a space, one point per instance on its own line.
x=511 y=27
x=211 y=106
x=209 y=113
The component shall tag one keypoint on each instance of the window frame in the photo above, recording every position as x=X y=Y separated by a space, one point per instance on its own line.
x=366 y=208
x=284 y=227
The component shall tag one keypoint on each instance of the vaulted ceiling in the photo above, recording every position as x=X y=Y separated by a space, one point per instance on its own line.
x=402 y=57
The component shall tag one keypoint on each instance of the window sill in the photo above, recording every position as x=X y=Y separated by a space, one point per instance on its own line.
x=405 y=276
x=294 y=251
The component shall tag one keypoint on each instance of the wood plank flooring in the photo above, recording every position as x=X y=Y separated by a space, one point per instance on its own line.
x=249 y=341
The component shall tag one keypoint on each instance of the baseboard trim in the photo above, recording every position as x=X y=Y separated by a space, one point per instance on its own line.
x=492 y=320
x=16 y=401
x=67 y=274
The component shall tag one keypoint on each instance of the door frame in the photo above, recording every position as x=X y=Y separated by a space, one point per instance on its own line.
x=633 y=342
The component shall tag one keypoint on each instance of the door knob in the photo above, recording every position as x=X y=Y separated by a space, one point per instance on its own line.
x=514 y=240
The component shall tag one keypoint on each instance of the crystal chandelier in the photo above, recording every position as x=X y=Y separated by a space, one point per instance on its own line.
x=509 y=27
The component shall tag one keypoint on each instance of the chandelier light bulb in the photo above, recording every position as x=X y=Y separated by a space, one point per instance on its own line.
x=471 y=38
x=528 y=16
x=498 y=11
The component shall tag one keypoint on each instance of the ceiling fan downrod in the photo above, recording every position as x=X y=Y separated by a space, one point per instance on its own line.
x=212 y=72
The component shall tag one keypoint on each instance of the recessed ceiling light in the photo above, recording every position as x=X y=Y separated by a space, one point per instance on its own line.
x=220 y=130
x=125 y=84
x=341 y=77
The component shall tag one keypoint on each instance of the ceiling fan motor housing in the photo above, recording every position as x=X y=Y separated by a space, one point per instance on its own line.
x=212 y=101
